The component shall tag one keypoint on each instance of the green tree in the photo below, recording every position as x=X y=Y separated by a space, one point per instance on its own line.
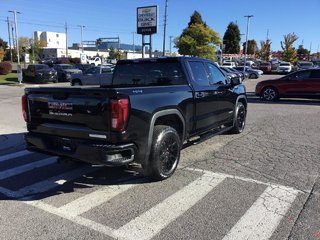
x=196 y=18
x=3 y=47
x=198 y=39
x=231 y=39
x=114 y=53
x=3 y=44
x=252 y=47
x=302 y=52
x=265 y=51
x=289 y=52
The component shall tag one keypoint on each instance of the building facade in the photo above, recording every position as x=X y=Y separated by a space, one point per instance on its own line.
x=52 y=39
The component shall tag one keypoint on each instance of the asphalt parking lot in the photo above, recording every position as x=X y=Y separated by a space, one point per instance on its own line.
x=261 y=184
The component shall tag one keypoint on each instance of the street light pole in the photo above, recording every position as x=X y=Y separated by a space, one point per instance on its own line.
x=245 y=55
x=170 y=44
x=17 y=44
x=81 y=28
x=134 y=50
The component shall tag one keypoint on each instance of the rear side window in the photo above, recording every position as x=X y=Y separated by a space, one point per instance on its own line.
x=199 y=73
x=148 y=74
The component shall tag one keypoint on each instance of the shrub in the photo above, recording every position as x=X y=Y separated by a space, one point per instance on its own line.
x=5 y=68
x=63 y=61
x=75 y=60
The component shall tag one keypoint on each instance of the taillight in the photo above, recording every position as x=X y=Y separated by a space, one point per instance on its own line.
x=119 y=114
x=24 y=107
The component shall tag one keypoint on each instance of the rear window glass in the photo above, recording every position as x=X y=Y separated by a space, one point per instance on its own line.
x=148 y=74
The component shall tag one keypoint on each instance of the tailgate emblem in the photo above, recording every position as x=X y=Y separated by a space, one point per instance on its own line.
x=60 y=108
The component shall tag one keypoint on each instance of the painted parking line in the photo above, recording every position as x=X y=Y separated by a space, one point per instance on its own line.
x=76 y=219
x=14 y=155
x=263 y=217
x=27 y=167
x=259 y=221
x=100 y=196
x=153 y=221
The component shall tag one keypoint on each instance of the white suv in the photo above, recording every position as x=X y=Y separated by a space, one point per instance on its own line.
x=284 y=67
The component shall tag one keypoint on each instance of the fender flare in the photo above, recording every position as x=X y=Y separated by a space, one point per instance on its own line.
x=151 y=127
x=235 y=106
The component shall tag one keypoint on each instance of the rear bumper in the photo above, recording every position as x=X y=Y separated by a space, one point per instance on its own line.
x=84 y=150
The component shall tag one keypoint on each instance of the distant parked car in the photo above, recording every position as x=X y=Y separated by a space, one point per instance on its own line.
x=304 y=65
x=253 y=73
x=65 y=71
x=265 y=67
x=83 y=66
x=228 y=64
x=39 y=73
x=303 y=83
x=243 y=75
x=229 y=74
x=93 y=76
x=284 y=67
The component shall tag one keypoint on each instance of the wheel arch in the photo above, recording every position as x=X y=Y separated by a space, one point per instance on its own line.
x=244 y=101
x=170 y=117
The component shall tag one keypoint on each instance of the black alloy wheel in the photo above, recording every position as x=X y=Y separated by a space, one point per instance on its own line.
x=240 y=119
x=165 y=153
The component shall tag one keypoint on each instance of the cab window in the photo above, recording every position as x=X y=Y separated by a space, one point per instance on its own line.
x=215 y=75
x=199 y=73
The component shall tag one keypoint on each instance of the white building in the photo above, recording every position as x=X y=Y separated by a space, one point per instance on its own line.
x=52 y=39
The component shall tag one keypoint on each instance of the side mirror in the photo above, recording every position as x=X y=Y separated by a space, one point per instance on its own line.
x=235 y=81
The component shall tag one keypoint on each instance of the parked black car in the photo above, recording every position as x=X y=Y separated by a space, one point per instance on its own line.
x=65 y=71
x=39 y=73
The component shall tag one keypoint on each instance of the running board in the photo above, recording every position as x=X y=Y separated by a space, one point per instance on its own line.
x=206 y=136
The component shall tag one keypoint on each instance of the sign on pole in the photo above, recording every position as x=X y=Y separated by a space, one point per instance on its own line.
x=147 y=20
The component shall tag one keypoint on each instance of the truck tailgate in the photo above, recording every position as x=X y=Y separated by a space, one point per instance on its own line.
x=69 y=112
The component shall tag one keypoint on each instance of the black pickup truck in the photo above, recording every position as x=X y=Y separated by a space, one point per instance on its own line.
x=152 y=108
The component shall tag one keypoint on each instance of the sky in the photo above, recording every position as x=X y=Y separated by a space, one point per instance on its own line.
x=118 y=18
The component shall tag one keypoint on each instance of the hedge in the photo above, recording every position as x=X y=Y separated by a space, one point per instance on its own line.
x=5 y=68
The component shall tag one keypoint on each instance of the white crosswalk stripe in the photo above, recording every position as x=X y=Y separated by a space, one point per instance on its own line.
x=259 y=221
x=153 y=221
x=263 y=217
x=27 y=167
x=102 y=195
x=14 y=155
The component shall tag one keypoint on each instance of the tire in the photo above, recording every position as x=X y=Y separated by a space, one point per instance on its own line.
x=76 y=83
x=164 y=154
x=253 y=75
x=269 y=94
x=239 y=119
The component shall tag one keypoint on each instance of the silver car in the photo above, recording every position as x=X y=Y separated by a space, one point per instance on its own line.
x=101 y=75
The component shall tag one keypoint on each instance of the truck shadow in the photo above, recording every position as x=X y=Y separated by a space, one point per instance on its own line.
x=33 y=176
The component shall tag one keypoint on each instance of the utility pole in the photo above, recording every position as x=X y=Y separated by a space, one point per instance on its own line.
x=170 y=44
x=133 y=44
x=164 y=28
x=17 y=44
x=245 y=55
x=66 y=28
x=81 y=28
x=9 y=38
x=310 y=51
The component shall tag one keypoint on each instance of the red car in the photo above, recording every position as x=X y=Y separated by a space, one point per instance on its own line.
x=304 y=83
